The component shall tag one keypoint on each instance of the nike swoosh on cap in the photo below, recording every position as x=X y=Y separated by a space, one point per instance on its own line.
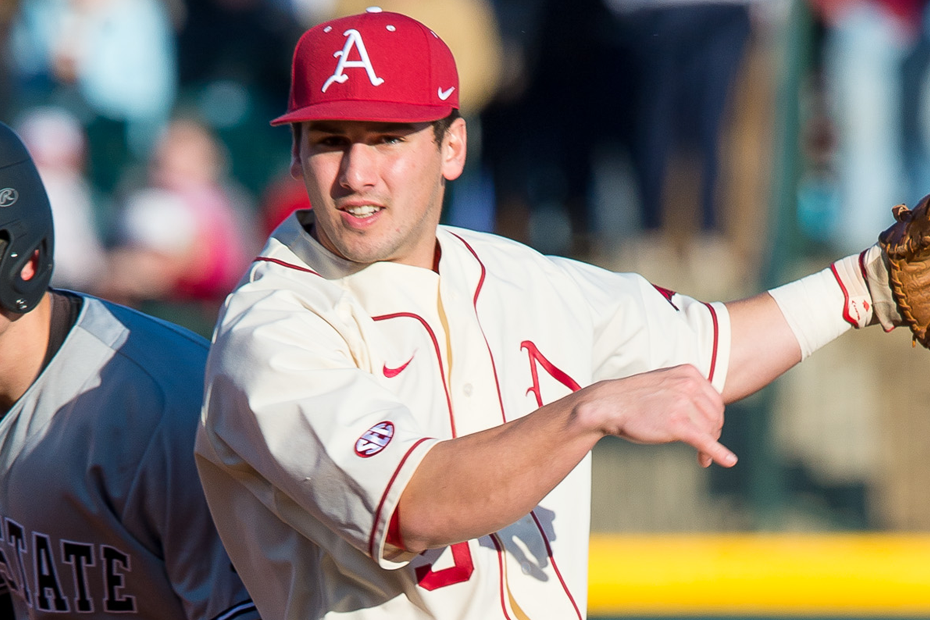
x=444 y=94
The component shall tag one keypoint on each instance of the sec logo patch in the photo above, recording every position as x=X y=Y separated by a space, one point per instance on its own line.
x=375 y=439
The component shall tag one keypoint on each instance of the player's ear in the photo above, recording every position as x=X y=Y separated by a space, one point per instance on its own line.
x=297 y=170
x=30 y=268
x=454 y=147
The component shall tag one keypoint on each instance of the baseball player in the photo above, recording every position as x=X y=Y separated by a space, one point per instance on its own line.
x=101 y=510
x=399 y=415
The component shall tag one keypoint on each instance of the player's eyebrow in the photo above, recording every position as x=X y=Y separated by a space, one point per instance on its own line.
x=336 y=127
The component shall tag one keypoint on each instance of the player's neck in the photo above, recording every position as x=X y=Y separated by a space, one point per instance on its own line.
x=23 y=342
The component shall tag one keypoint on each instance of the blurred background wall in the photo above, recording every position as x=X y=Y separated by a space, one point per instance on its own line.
x=716 y=147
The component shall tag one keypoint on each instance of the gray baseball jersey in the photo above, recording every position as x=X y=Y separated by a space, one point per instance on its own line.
x=101 y=511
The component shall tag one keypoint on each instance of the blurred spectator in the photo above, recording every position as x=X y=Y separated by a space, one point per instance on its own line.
x=308 y=13
x=283 y=196
x=111 y=61
x=240 y=41
x=29 y=51
x=186 y=236
x=916 y=111
x=8 y=11
x=865 y=46
x=538 y=156
x=657 y=74
x=682 y=58
x=469 y=28
x=233 y=70
x=58 y=146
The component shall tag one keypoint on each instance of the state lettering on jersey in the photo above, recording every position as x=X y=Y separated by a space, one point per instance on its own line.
x=48 y=586
x=59 y=577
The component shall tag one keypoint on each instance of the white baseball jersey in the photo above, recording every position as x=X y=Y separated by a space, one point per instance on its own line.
x=328 y=382
x=101 y=510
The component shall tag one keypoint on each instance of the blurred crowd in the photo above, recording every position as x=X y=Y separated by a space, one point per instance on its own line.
x=868 y=128
x=149 y=122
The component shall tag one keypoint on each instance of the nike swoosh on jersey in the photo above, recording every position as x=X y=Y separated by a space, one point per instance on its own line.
x=390 y=373
x=444 y=94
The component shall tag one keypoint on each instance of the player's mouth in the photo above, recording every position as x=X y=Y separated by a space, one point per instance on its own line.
x=360 y=215
x=362 y=211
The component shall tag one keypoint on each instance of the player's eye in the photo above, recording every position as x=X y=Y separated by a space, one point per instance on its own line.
x=332 y=141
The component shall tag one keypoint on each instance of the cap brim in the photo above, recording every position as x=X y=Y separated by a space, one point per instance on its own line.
x=377 y=111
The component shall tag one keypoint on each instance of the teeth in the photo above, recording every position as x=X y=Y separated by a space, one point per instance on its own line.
x=362 y=211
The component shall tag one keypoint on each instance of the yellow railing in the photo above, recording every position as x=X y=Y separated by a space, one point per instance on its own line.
x=760 y=574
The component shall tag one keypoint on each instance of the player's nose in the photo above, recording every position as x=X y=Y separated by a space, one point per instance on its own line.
x=358 y=167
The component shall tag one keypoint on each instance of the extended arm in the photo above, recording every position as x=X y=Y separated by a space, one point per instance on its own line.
x=762 y=347
x=774 y=331
x=476 y=484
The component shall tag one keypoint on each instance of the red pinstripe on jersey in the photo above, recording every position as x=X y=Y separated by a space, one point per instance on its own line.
x=371 y=537
x=668 y=294
x=713 y=355
x=560 y=376
x=478 y=288
x=432 y=335
x=442 y=374
x=555 y=566
x=500 y=564
x=276 y=261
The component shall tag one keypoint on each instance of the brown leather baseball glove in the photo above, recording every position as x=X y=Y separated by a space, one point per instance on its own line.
x=906 y=246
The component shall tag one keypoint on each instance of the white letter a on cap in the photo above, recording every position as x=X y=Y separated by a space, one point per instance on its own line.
x=353 y=38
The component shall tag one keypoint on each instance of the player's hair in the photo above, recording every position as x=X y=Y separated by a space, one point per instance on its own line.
x=25 y=226
x=441 y=126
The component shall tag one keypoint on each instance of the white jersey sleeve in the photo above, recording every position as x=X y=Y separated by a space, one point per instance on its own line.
x=293 y=368
x=639 y=326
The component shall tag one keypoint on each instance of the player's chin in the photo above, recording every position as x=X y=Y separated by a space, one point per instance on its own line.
x=365 y=253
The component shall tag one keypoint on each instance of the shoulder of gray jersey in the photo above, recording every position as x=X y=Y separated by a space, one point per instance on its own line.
x=140 y=336
x=159 y=372
x=159 y=365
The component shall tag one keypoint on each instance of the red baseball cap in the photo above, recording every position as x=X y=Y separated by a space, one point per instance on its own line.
x=375 y=66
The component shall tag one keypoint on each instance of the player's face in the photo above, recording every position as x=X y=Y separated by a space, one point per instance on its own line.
x=376 y=188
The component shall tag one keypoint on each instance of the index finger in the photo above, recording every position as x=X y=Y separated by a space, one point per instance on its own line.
x=711 y=451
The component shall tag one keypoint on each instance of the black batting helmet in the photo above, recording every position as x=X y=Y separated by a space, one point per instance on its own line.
x=25 y=226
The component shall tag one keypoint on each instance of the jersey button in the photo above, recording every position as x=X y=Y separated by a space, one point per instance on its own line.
x=467 y=389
